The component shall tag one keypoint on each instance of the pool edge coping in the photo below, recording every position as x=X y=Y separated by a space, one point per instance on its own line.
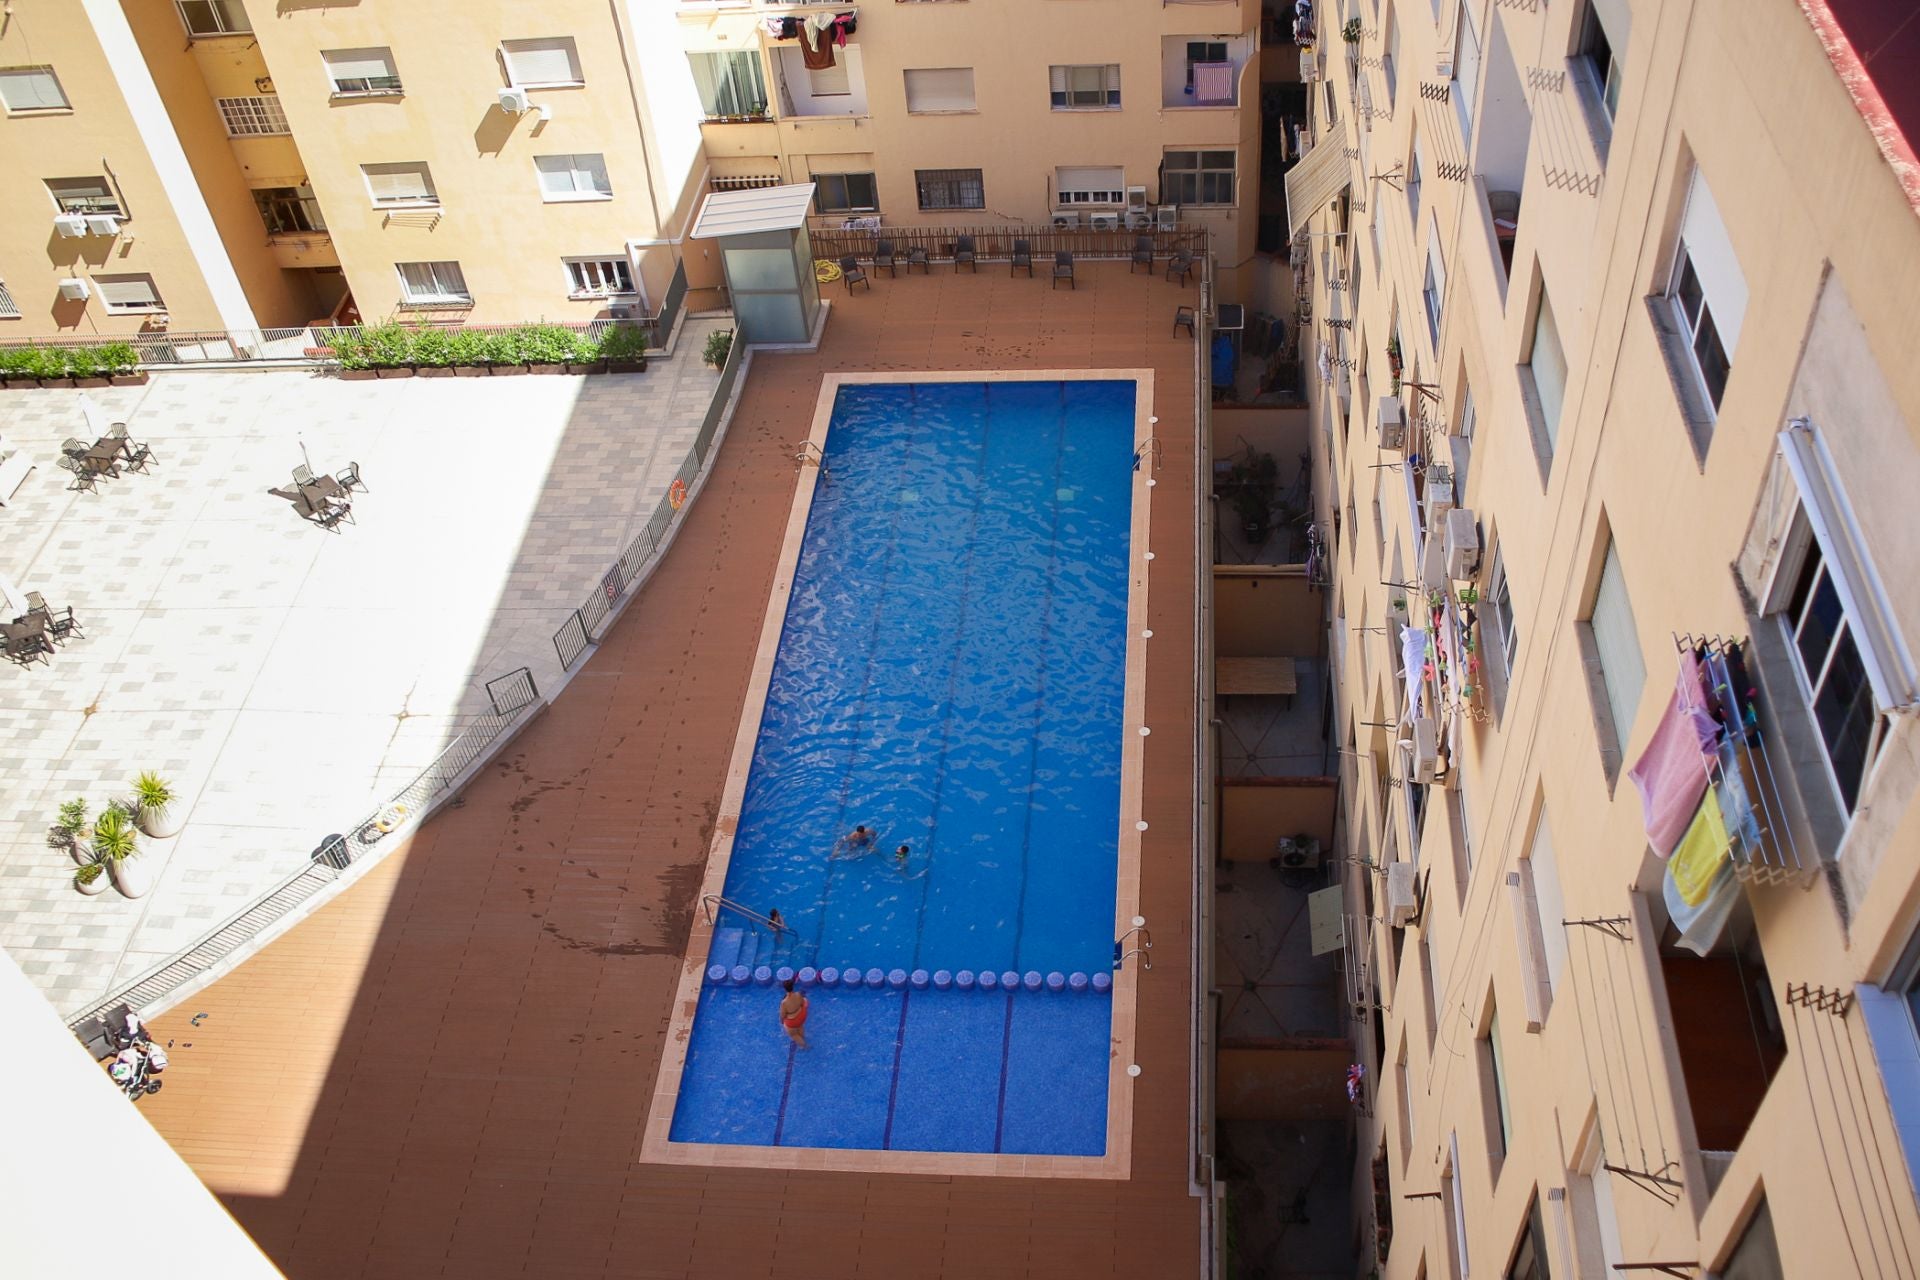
x=657 y=1146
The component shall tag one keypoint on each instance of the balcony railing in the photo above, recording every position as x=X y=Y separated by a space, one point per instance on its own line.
x=996 y=243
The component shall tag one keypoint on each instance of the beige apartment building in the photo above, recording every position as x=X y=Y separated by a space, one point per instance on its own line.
x=1617 y=425
x=192 y=165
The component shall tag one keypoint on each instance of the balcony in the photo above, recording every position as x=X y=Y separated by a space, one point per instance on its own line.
x=1201 y=73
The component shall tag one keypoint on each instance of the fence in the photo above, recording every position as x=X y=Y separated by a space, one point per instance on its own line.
x=997 y=242
x=578 y=631
x=510 y=695
x=669 y=316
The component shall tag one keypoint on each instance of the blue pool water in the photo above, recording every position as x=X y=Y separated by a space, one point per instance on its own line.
x=951 y=674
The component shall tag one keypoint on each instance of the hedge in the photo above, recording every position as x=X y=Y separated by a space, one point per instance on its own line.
x=391 y=346
x=103 y=360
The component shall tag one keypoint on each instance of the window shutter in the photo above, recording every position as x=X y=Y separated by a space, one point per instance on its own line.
x=536 y=62
x=127 y=291
x=1622 y=667
x=1616 y=19
x=829 y=82
x=31 y=89
x=1091 y=178
x=359 y=64
x=1713 y=261
x=1549 y=364
x=399 y=182
x=940 y=89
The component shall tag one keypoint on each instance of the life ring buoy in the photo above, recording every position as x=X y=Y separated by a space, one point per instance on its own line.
x=677 y=494
x=826 y=270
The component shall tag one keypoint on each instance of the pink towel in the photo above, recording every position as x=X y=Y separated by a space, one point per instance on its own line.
x=1672 y=773
x=1213 y=81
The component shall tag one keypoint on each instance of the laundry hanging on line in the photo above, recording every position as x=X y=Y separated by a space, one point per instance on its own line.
x=1673 y=772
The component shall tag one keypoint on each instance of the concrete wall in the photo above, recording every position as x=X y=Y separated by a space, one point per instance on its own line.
x=1809 y=203
x=1255 y=812
x=1306 y=1081
x=1262 y=611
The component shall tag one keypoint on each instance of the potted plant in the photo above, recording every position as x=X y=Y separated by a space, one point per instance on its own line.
x=50 y=366
x=14 y=367
x=1351 y=31
x=91 y=877
x=431 y=350
x=116 y=844
x=625 y=348
x=546 y=348
x=503 y=353
x=351 y=354
x=719 y=343
x=85 y=365
x=583 y=355
x=121 y=361
x=71 y=829
x=154 y=802
x=467 y=352
x=389 y=351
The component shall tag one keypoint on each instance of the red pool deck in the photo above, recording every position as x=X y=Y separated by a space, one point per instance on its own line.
x=446 y=1070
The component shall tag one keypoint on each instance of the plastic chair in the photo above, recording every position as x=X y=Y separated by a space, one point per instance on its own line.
x=1022 y=257
x=964 y=256
x=851 y=273
x=1142 y=253
x=1063 y=268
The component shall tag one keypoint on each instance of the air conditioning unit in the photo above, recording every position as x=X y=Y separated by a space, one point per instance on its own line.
x=1169 y=216
x=1463 y=544
x=1140 y=220
x=1390 y=423
x=1066 y=221
x=1403 y=904
x=1426 y=751
x=102 y=224
x=1297 y=853
x=70 y=225
x=1136 y=197
x=619 y=313
x=1104 y=221
x=1433 y=565
x=1439 y=496
x=515 y=101
x=73 y=289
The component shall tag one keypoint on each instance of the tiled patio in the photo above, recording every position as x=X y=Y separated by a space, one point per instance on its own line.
x=446 y=1070
x=283 y=676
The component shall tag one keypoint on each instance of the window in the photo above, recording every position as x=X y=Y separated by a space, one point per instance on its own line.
x=1494 y=1075
x=1084 y=88
x=1407 y=1110
x=31 y=89
x=1757 y=1256
x=250 y=117
x=1390 y=56
x=404 y=184
x=1832 y=674
x=1333 y=107
x=1539 y=924
x=9 y=309
x=1198 y=178
x=288 y=210
x=1080 y=184
x=1546 y=370
x=1596 y=1224
x=1616 y=646
x=431 y=283
x=830 y=82
x=1416 y=171
x=598 y=277
x=940 y=89
x=129 y=293
x=1466 y=71
x=357 y=72
x=950 y=188
x=213 y=17
x=542 y=64
x=1496 y=609
x=845 y=193
x=1427 y=989
x=729 y=84
x=1530 y=1254
x=84 y=195
x=1434 y=291
x=1603 y=43
x=1456 y=1212
x=573 y=177
x=1199 y=51
x=1708 y=292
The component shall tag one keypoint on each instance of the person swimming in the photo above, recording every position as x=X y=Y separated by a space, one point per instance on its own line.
x=856 y=843
x=901 y=855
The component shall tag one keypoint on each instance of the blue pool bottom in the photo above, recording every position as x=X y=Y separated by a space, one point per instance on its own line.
x=1018 y=1072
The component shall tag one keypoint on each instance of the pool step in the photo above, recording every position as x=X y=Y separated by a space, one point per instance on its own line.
x=728 y=945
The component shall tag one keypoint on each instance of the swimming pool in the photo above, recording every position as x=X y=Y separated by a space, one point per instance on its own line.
x=951 y=672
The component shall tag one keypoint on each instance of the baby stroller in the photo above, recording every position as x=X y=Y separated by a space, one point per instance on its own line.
x=137 y=1059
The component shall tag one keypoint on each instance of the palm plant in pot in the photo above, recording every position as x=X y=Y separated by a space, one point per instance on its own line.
x=71 y=830
x=154 y=805
x=117 y=845
x=91 y=877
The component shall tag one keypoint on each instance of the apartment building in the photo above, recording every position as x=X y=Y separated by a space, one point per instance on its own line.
x=1616 y=428
x=234 y=164
x=991 y=112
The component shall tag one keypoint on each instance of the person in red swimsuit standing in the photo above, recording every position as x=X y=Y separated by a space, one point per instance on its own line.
x=793 y=1014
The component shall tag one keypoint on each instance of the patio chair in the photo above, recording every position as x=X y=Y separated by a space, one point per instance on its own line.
x=74 y=448
x=1142 y=253
x=1183 y=319
x=138 y=459
x=333 y=513
x=917 y=257
x=24 y=648
x=349 y=478
x=884 y=255
x=1022 y=257
x=303 y=474
x=84 y=479
x=118 y=431
x=1063 y=268
x=964 y=256
x=64 y=624
x=1180 y=265
x=851 y=273
x=37 y=603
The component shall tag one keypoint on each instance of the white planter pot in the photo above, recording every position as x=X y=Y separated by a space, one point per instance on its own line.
x=99 y=885
x=132 y=876
x=82 y=852
x=164 y=823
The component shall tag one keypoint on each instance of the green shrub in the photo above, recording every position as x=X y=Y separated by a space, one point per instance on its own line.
x=118 y=357
x=581 y=349
x=719 y=342
x=350 y=349
x=46 y=362
x=547 y=344
x=502 y=346
x=387 y=345
x=466 y=347
x=431 y=347
x=83 y=362
x=623 y=342
x=16 y=361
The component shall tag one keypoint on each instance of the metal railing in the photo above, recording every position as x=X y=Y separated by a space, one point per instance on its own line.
x=582 y=626
x=711 y=900
x=511 y=695
x=1202 y=1180
x=664 y=322
x=996 y=243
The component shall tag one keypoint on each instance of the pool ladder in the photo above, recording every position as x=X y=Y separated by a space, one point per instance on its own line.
x=809 y=452
x=1143 y=948
x=712 y=900
x=1149 y=448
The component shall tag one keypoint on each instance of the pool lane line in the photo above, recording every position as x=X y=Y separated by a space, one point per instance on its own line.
x=1040 y=685
x=893 y=1087
x=786 y=1087
x=866 y=684
x=1006 y=1052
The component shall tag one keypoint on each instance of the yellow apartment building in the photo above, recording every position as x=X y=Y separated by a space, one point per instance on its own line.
x=1617 y=426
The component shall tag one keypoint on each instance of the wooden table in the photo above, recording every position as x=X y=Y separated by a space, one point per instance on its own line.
x=1269 y=676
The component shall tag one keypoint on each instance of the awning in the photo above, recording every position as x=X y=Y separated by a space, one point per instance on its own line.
x=1314 y=182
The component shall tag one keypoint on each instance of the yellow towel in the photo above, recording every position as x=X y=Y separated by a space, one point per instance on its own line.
x=1700 y=853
